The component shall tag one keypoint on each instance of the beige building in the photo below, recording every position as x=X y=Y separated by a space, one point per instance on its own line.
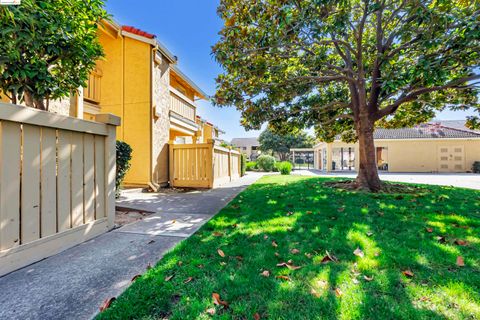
x=248 y=146
x=446 y=146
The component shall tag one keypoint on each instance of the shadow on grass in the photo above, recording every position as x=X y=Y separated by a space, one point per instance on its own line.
x=261 y=228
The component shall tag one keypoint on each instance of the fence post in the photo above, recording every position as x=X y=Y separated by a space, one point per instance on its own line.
x=171 y=165
x=211 y=163
x=112 y=122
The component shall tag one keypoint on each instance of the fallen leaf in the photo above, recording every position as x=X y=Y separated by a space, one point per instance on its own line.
x=341 y=209
x=441 y=239
x=218 y=301
x=315 y=293
x=217 y=234
x=274 y=244
x=359 y=253
x=369 y=234
x=265 y=237
x=368 y=278
x=239 y=258
x=168 y=278
x=136 y=277
x=151 y=241
x=338 y=292
x=256 y=316
x=211 y=311
x=460 y=261
x=408 y=273
x=266 y=273
x=189 y=279
x=429 y=230
x=234 y=225
x=284 y=278
x=295 y=251
x=174 y=221
x=289 y=213
x=201 y=266
x=289 y=265
x=180 y=263
x=355 y=281
x=106 y=304
x=308 y=255
x=223 y=263
x=459 y=242
x=309 y=212
x=221 y=253
x=277 y=254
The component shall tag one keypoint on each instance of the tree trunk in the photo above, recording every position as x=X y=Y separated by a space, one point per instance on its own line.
x=367 y=178
x=28 y=98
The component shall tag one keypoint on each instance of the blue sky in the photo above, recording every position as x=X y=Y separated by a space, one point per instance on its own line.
x=189 y=28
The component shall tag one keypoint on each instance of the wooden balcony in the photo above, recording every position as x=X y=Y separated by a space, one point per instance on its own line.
x=181 y=105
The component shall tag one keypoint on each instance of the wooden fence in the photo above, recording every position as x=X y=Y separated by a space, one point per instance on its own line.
x=202 y=165
x=57 y=182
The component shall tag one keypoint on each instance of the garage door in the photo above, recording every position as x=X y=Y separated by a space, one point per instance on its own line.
x=451 y=159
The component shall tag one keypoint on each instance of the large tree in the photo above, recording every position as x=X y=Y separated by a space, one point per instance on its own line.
x=48 y=48
x=282 y=143
x=346 y=67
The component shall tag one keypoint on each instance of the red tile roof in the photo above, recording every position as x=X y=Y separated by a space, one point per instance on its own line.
x=138 y=32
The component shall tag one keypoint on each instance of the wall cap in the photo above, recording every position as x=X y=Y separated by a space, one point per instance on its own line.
x=108 y=118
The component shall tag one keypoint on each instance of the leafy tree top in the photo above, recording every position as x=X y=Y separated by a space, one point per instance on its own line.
x=282 y=143
x=48 y=48
x=347 y=65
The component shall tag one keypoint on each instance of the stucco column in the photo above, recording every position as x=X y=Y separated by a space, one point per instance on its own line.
x=329 y=157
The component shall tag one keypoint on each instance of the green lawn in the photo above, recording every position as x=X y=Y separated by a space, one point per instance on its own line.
x=284 y=218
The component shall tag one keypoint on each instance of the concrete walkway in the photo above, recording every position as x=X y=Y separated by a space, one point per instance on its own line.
x=462 y=180
x=74 y=283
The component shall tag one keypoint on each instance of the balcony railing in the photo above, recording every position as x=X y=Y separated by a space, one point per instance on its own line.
x=181 y=105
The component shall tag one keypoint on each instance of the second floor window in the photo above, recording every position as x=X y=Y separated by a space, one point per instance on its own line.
x=91 y=92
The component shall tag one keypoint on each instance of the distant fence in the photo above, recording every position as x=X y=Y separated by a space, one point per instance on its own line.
x=57 y=182
x=202 y=165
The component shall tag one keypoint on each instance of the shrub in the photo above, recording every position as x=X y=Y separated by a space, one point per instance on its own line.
x=124 y=155
x=476 y=167
x=266 y=163
x=243 y=164
x=250 y=166
x=284 y=167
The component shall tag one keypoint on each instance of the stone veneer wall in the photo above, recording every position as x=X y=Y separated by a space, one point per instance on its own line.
x=62 y=106
x=161 y=122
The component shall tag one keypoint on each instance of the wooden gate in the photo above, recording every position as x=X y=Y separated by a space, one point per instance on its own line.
x=57 y=182
x=202 y=165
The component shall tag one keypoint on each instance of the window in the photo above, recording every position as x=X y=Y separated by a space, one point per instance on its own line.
x=382 y=158
x=92 y=91
x=343 y=159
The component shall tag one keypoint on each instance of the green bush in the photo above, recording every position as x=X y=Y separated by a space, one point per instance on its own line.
x=250 y=166
x=476 y=167
x=243 y=164
x=266 y=163
x=124 y=155
x=284 y=167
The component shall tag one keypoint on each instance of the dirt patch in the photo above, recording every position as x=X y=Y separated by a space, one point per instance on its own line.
x=387 y=187
x=124 y=216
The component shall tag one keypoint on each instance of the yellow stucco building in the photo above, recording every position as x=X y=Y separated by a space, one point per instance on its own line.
x=434 y=147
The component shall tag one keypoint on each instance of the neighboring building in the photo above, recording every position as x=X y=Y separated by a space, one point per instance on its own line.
x=433 y=147
x=248 y=146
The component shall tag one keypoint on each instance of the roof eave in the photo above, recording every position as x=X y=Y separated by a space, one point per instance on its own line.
x=190 y=82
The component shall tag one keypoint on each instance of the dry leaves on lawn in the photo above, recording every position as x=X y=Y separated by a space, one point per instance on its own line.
x=459 y=242
x=211 y=311
x=217 y=234
x=256 y=316
x=266 y=273
x=460 y=261
x=338 y=292
x=329 y=258
x=189 y=279
x=289 y=265
x=368 y=278
x=359 y=253
x=218 y=301
x=408 y=273
x=429 y=230
x=274 y=244
x=168 y=278
x=136 y=277
x=283 y=278
x=221 y=253
x=106 y=304
x=295 y=251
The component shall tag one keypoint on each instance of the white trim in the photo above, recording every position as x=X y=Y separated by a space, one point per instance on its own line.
x=139 y=38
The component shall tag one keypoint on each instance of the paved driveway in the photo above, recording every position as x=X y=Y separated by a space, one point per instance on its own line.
x=463 y=180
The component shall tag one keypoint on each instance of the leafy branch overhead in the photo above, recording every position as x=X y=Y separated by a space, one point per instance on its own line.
x=346 y=67
x=48 y=48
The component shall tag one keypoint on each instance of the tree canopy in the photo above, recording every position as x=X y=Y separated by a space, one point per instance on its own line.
x=282 y=143
x=346 y=67
x=48 y=48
